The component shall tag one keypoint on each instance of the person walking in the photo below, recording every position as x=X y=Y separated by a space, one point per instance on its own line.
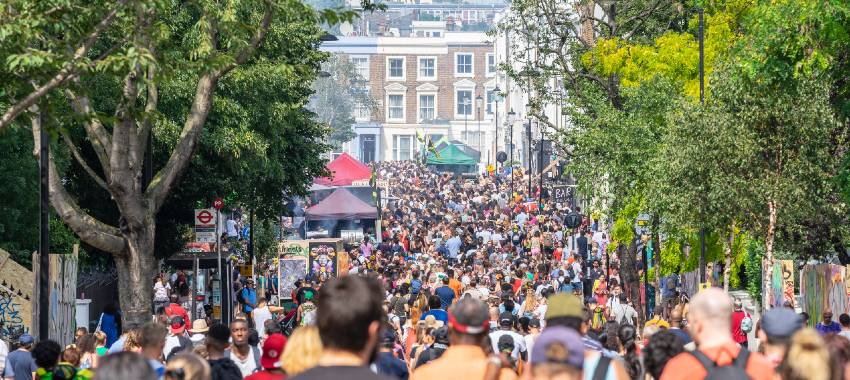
x=349 y=315
x=261 y=314
x=246 y=356
x=738 y=317
x=709 y=322
x=827 y=325
x=272 y=350
x=216 y=342
x=464 y=358
x=19 y=363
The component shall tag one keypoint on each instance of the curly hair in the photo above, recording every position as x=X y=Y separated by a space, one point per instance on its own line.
x=662 y=347
x=627 y=335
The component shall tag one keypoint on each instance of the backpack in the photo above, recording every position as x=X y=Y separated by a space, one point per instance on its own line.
x=415 y=286
x=570 y=274
x=746 y=323
x=734 y=371
x=308 y=315
x=185 y=344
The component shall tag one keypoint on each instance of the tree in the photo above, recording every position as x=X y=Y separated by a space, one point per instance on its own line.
x=132 y=50
x=336 y=96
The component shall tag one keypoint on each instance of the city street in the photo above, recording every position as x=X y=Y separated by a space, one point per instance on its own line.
x=524 y=189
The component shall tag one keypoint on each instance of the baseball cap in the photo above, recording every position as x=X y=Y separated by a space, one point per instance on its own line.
x=781 y=323
x=558 y=345
x=564 y=305
x=506 y=318
x=178 y=325
x=26 y=339
x=272 y=349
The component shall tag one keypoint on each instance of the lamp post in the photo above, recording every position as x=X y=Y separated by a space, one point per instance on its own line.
x=497 y=95
x=479 y=100
x=511 y=117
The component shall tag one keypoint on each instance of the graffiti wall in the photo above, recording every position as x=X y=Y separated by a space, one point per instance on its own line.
x=16 y=287
x=782 y=283
x=823 y=286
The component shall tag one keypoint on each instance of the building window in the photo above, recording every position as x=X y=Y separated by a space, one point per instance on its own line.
x=472 y=138
x=464 y=103
x=491 y=64
x=463 y=64
x=427 y=107
x=361 y=112
x=427 y=68
x=491 y=99
x=395 y=67
x=436 y=34
x=395 y=107
x=361 y=66
x=402 y=147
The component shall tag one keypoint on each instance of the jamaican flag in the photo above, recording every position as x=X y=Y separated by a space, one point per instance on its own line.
x=427 y=147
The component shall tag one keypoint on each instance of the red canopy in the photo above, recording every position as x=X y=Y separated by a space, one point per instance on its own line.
x=341 y=205
x=345 y=170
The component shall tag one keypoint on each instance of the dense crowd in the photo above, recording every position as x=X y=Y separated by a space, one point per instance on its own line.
x=467 y=280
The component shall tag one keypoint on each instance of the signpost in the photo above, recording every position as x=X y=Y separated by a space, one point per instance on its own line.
x=206 y=222
x=218 y=204
x=562 y=194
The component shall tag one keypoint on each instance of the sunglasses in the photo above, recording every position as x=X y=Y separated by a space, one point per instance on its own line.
x=175 y=374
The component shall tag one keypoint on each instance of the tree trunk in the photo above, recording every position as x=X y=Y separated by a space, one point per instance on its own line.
x=767 y=263
x=629 y=276
x=656 y=252
x=727 y=267
x=136 y=269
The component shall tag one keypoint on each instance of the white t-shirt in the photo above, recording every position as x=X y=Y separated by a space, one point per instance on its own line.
x=519 y=342
x=529 y=342
x=160 y=291
x=248 y=366
x=261 y=315
x=231 y=228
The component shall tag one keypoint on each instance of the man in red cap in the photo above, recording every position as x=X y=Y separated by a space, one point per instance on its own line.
x=272 y=349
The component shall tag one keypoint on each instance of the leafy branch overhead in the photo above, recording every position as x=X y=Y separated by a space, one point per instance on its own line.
x=109 y=77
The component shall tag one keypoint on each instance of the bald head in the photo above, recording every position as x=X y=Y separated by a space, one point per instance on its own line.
x=712 y=307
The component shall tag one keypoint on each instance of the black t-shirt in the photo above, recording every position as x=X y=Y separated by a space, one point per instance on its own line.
x=340 y=372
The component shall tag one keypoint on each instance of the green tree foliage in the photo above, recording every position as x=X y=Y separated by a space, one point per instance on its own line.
x=104 y=76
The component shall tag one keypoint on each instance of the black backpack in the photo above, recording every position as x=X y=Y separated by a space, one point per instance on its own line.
x=734 y=371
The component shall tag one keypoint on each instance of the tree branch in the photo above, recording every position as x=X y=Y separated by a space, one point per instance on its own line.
x=68 y=71
x=89 y=229
x=165 y=179
x=76 y=153
x=98 y=136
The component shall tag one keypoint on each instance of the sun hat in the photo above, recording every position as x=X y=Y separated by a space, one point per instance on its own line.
x=199 y=326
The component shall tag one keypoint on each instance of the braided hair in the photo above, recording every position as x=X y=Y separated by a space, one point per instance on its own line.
x=627 y=335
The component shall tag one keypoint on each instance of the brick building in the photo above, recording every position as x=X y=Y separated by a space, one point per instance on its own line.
x=427 y=86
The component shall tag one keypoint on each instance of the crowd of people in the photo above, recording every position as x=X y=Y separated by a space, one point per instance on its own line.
x=464 y=280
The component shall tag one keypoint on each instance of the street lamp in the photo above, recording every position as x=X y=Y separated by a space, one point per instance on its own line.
x=478 y=102
x=511 y=119
x=497 y=94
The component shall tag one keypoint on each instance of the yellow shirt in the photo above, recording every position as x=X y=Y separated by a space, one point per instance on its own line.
x=459 y=362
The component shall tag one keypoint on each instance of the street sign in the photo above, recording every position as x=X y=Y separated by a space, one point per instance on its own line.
x=218 y=203
x=246 y=270
x=205 y=221
x=562 y=194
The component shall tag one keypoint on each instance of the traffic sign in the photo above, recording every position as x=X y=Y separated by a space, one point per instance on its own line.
x=218 y=203
x=205 y=223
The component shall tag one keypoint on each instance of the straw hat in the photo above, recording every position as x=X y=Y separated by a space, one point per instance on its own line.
x=199 y=326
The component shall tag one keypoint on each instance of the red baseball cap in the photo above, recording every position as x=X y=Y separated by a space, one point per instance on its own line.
x=272 y=349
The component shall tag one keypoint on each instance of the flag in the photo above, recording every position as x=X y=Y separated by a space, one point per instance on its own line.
x=433 y=149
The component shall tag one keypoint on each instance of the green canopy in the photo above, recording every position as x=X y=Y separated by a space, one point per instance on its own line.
x=450 y=155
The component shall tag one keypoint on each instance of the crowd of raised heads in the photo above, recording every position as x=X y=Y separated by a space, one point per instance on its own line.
x=465 y=279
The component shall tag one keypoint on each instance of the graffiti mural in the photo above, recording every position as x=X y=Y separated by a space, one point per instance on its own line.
x=782 y=283
x=823 y=286
x=11 y=320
